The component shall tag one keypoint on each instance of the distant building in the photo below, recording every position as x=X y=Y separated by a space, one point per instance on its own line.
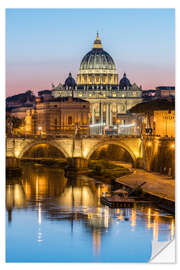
x=149 y=94
x=157 y=117
x=18 y=105
x=164 y=123
x=166 y=91
x=66 y=115
x=21 y=100
x=98 y=83
x=159 y=92
x=45 y=95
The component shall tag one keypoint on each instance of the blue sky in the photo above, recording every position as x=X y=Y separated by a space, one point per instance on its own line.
x=44 y=45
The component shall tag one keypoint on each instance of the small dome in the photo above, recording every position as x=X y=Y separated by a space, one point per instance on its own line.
x=124 y=82
x=70 y=82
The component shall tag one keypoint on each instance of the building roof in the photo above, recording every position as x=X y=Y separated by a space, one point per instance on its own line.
x=74 y=99
x=65 y=99
x=21 y=97
x=44 y=92
x=165 y=88
x=153 y=105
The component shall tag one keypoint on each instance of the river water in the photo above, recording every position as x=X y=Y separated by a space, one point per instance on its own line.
x=54 y=219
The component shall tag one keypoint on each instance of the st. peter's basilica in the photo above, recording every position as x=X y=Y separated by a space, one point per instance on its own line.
x=98 y=82
x=97 y=102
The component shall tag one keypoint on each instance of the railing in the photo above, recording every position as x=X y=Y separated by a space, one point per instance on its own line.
x=53 y=136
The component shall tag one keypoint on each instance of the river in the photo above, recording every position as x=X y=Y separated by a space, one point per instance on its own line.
x=54 y=219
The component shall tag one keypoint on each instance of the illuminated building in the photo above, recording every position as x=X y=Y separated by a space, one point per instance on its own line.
x=21 y=100
x=159 y=92
x=44 y=95
x=157 y=117
x=98 y=83
x=165 y=91
x=164 y=123
x=59 y=116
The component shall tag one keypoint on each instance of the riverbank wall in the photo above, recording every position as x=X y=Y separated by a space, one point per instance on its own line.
x=160 y=188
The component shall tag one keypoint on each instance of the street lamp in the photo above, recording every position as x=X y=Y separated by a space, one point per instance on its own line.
x=172 y=146
x=149 y=143
x=40 y=129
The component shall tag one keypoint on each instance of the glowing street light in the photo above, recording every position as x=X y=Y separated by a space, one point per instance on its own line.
x=172 y=146
x=40 y=129
x=149 y=144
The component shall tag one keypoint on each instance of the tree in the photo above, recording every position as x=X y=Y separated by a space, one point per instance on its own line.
x=12 y=124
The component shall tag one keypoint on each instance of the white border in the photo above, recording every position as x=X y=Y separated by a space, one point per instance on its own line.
x=71 y=4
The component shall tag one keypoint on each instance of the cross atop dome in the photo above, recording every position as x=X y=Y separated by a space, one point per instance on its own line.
x=97 y=42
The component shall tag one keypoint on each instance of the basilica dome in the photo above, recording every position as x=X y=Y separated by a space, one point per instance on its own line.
x=97 y=59
x=124 y=82
x=70 y=82
x=97 y=67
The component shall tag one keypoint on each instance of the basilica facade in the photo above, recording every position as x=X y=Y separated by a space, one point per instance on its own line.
x=98 y=83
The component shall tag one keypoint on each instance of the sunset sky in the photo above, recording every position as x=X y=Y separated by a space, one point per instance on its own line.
x=44 y=45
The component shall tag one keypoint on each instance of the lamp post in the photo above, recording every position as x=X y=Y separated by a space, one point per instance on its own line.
x=118 y=126
x=40 y=129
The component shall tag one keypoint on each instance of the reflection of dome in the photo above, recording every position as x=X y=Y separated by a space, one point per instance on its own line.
x=70 y=82
x=97 y=67
x=124 y=82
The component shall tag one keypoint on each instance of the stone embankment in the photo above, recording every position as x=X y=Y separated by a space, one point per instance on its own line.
x=156 y=184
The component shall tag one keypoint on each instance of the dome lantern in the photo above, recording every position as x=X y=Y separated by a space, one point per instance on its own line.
x=97 y=42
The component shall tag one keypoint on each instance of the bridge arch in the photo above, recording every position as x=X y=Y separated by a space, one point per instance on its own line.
x=29 y=145
x=121 y=144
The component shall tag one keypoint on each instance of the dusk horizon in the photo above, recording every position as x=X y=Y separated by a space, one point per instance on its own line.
x=44 y=45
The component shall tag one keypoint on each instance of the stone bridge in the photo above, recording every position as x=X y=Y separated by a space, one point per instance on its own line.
x=81 y=148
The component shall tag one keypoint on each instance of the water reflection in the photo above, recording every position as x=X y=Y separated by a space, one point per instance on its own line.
x=76 y=202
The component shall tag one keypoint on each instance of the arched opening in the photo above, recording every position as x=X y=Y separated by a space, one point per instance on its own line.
x=43 y=150
x=115 y=153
